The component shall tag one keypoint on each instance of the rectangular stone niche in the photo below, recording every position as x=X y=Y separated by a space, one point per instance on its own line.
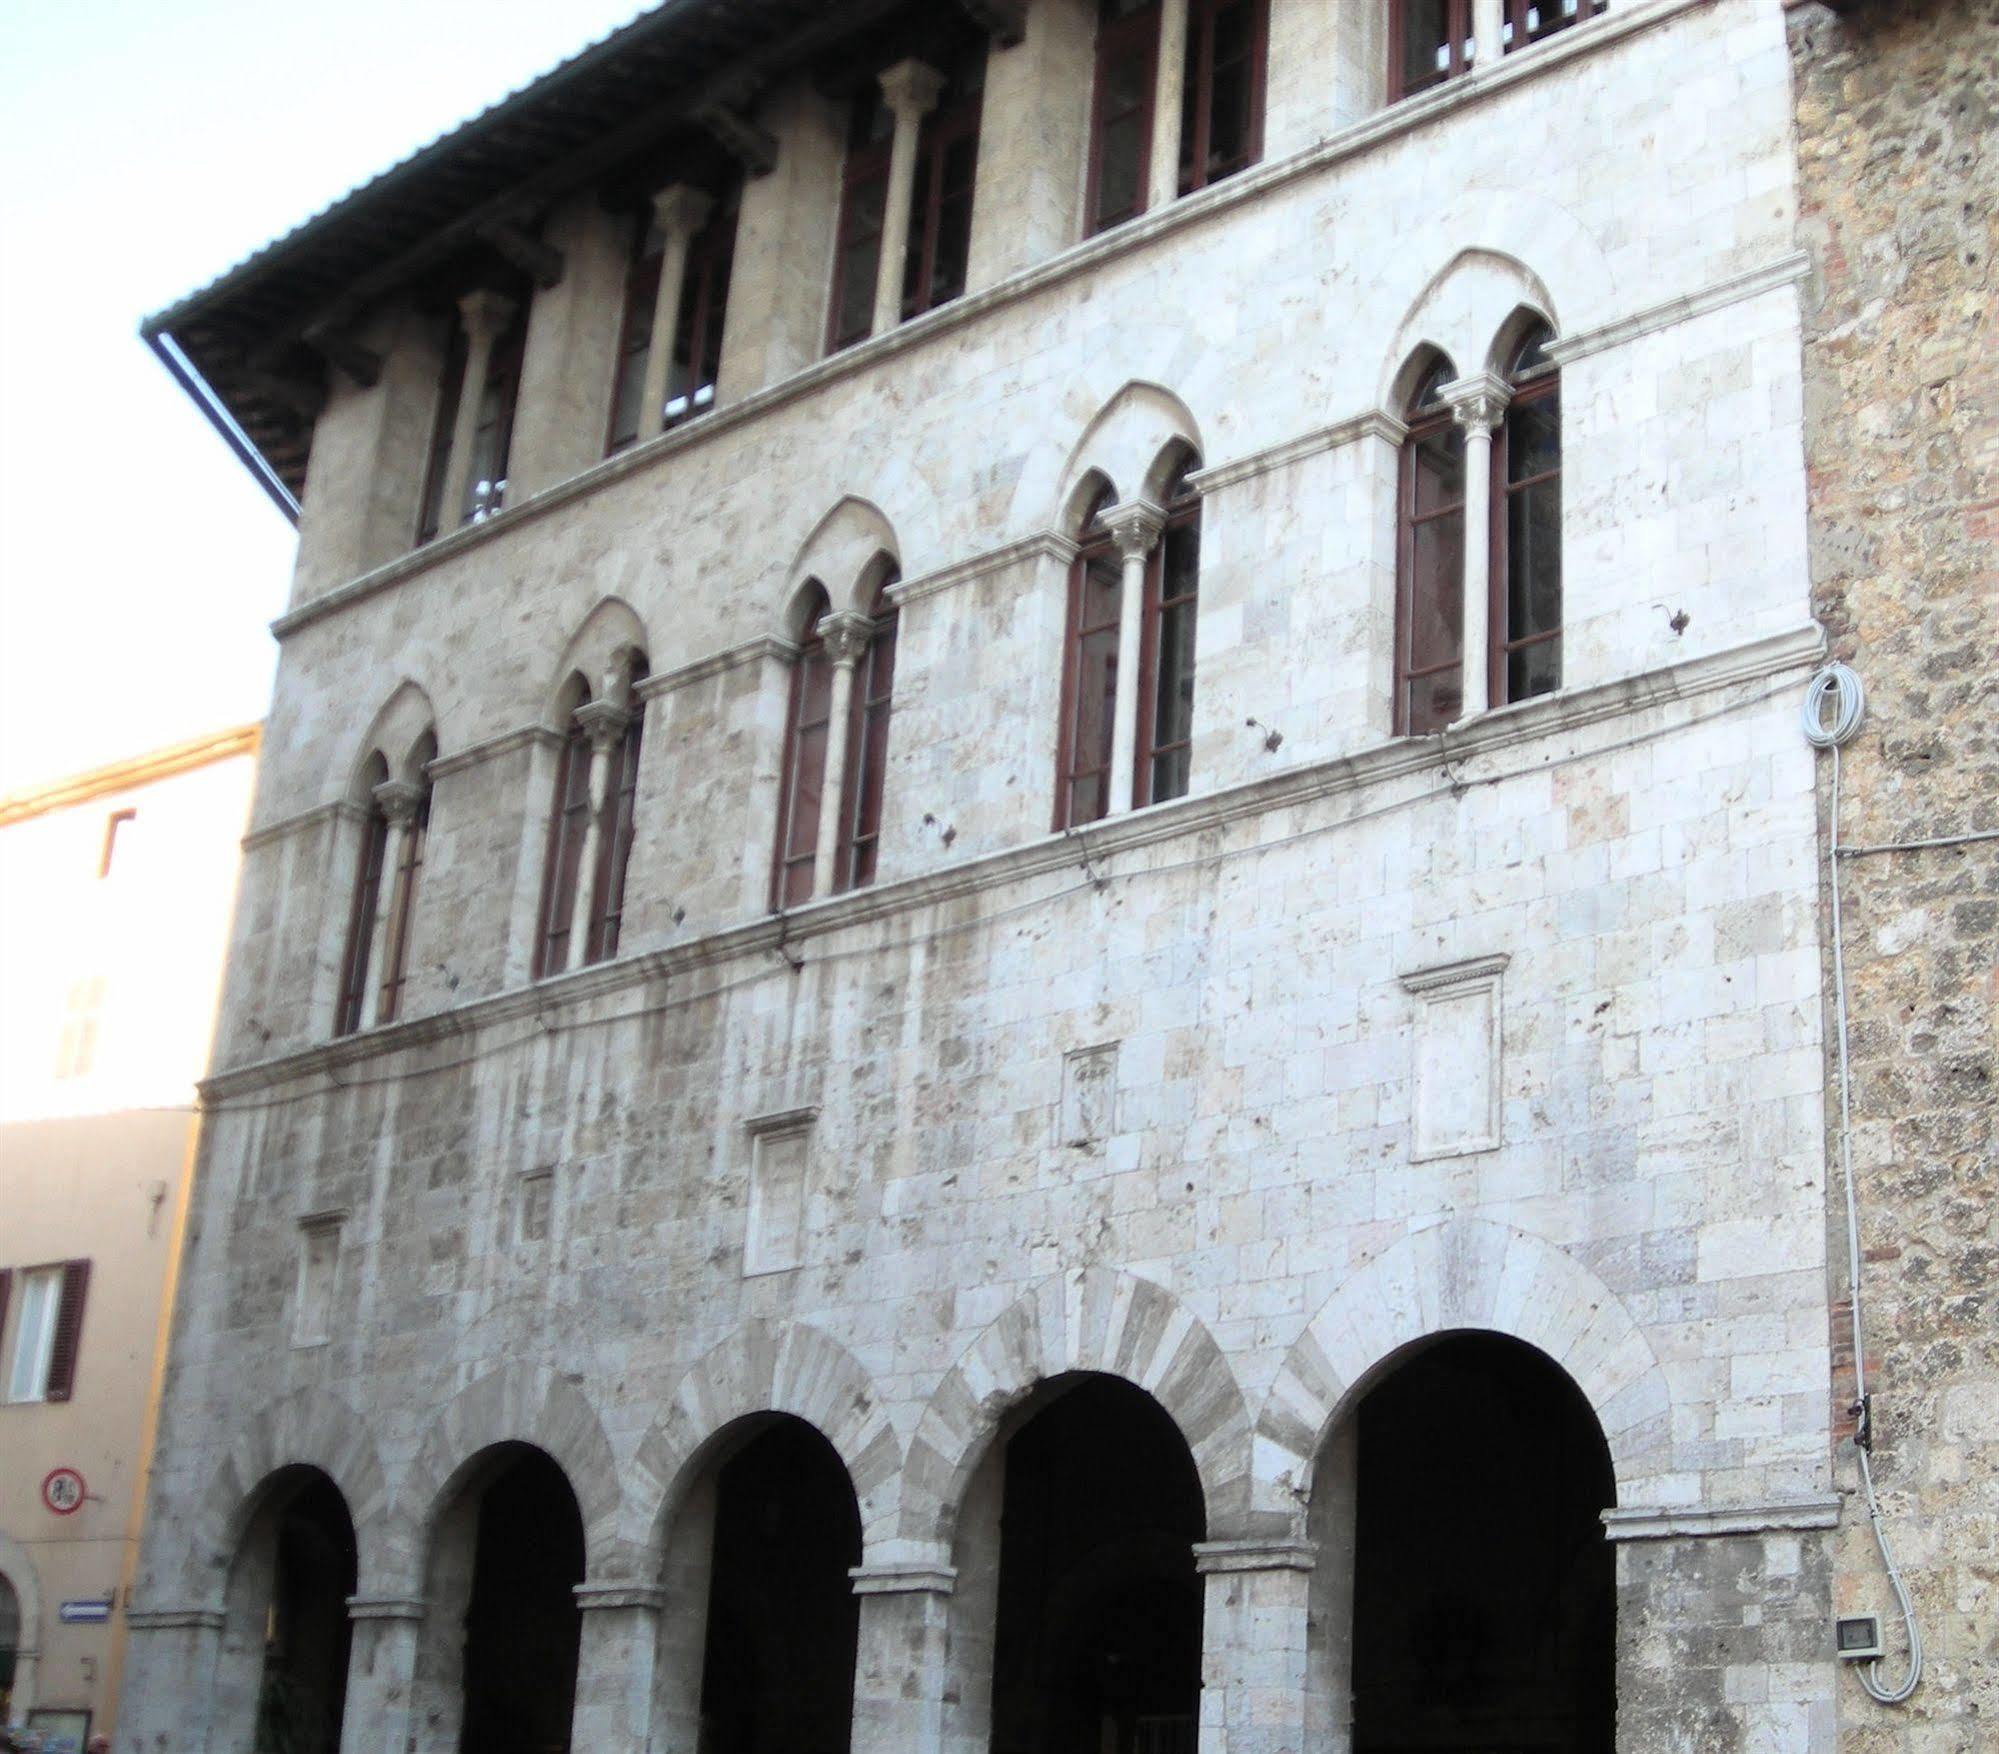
x=780 y=1156
x=318 y=1275
x=1089 y=1095
x=1454 y=1091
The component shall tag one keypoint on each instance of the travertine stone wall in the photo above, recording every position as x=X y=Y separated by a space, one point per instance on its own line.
x=1898 y=140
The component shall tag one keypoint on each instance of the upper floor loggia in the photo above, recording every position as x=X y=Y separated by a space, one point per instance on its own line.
x=723 y=194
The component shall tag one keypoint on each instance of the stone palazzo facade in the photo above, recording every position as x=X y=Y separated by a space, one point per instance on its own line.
x=1269 y=1195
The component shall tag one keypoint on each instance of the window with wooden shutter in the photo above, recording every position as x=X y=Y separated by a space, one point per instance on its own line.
x=1121 y=110
x=1429 y=645
x=568 y=823
x=68 y=1331
x=361 y=912
x=1527 y=527
x=402 y=905
x=1221 y=107
x=1089 y=674
x=807 y=730
x=867 y=749
x=1166 y=656
x=34 y=1333
x=614 y=843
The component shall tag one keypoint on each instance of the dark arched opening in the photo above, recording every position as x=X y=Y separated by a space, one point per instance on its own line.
x=522 y=1624
x=1483 y=1608
x=1097 y=1643
x=777 y=1673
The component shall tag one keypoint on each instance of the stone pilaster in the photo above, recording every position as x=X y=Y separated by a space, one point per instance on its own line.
x=381 y=1673
x=901 y=1657
x=1254 y=1628
x=614 y=1665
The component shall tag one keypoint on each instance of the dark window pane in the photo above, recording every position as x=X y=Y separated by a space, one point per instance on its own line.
x=860 y=255
x=1440 y=471
x=1173 y=711
x=1533 y=438
x=1231 y=99
x=1534 y=560
x=1117 y=179
x=1434 y=701
x=954 y=221
x=1535 y=669
x=1426 y=42
x=1436 y=593
x=1121 y=128
x=1102 y=591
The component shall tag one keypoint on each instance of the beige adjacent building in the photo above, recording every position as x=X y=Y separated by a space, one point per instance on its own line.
x=115 y=894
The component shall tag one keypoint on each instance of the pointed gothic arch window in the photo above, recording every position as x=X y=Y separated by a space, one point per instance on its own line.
x=872 y=704
x=808 y=724
x=1527 y=527
x=394 y=830
x=591 y=826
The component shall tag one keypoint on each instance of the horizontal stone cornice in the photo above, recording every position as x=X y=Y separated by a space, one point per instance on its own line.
x=175 y=1619
x=1371 y=424
x=341 y=809
x=493 y=749
x=978 y=566
x=1407 y=117
x=128 y=775
x=899 y=1578
x=1211 y=1557
x=1736 y=289
x=716 y=664
x=1705 y=1521
x=599 y=1598
x=1184 y=819
x=387 y=1607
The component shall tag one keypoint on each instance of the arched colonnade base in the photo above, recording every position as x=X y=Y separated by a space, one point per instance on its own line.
x=927 y=1571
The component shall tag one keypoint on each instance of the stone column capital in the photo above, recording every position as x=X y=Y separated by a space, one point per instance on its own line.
x=386 y=1607
x=681 y=210
x=485 y=314
x=399 y=800
x=911 y=89
x=1134 y=527
x=603 y=722
x=846 y=633
x=903 y=1578
x=1477 y=402
x=1267 y=1553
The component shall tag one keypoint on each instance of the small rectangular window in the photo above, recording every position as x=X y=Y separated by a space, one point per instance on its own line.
x=39 y=1295
x=1221 y=118
x=1121 y=123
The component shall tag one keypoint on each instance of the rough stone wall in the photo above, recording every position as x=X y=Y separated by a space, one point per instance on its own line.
x=1898 y=139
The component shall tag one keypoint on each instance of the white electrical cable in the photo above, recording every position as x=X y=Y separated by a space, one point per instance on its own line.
x=1839 y=686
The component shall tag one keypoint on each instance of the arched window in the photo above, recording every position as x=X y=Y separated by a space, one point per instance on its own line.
x=591 y=825
x=1527 y=531
x=1429 y=644
x=1091 y=774
x=807 y=726
x=867 y=747
x=375 y=966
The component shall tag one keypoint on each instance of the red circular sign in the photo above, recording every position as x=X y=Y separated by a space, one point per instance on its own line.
x=63 y=1491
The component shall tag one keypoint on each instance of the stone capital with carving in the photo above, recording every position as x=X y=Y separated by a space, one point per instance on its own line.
x=1478 y=402
x=1134 y=527
x=846 y=633
x=399 y=800
x=911 y=89
x=681 y=210
x=485 y=314
x=603 y=721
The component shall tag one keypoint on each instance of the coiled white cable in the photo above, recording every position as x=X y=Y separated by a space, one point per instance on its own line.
x=1839 y=687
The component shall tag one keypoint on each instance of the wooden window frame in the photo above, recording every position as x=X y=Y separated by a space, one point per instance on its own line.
x=1200 y=87
x=1420 y=427
x=1095 y=546
x=361 y=921
x=941 y=130
x=450 y=389
x=566 y=820
x=1184 y=511
x=1514 y=25
x=1541 y=387
x=704 y=310
x=57 y=1374
x=503 y=369
x=1113 y=37
x=811 y=650
x=642 y=274
x=864 y=164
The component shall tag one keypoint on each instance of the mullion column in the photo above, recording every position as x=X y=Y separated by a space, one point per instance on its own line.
x=846 y=637
x=911 y=90
x=680 y=212
x=1135 y=529
x=1255 y=1646
x=1169 y=81
x=1488 y=20
x=614 y=1666
x=1477 y=404
x=604 y=722
x=485 y=316
x=399 y=800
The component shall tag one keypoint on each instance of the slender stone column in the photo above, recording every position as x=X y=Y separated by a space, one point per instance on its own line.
x=604 y=722
x=846 y=636
x=1477 y=403
x=485 y=316
x=1169 y=81
x=169 y=1678
x=381 y=1674
x=399 y=800
x=614 y=1666
x=1487 y=22
x=901 y=1658
x=1135 y=528
x=681 y=212
x=911 y=90
x=686 y=1578
x=1254 y=1627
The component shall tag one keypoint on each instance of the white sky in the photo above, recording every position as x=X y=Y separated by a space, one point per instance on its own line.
x=145 y=147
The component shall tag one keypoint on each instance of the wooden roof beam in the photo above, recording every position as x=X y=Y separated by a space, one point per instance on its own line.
x=752 y=147
x=1005 y=21
x=342 y=348
x=540 y=262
